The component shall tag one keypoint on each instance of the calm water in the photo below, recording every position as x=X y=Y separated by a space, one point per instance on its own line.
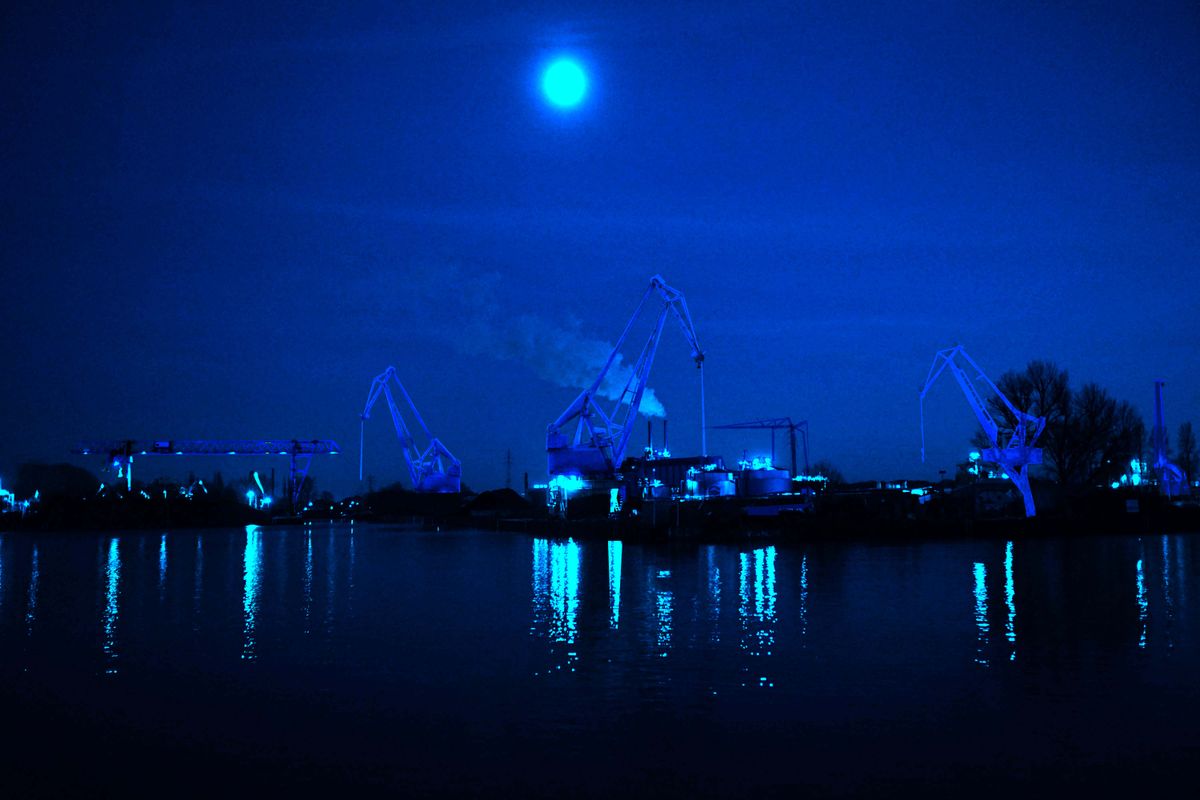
x=246 y=661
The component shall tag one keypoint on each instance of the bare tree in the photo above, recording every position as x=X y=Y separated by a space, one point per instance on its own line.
x=1089 y=436
x=1043 y=390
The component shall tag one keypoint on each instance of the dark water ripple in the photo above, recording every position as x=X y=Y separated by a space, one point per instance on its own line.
x=370 y=657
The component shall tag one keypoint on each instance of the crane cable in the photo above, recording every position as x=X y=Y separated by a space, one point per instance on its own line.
x=922 y=404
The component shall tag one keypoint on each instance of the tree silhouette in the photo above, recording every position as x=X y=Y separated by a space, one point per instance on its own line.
x=1090 y=437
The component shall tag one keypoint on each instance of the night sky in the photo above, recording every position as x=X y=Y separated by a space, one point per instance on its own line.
x=223 y=220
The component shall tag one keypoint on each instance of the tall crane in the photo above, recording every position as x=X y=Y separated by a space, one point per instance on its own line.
x=780 y=424
x=1015 y=456
x=1171 y=480
x=598 y=446
x=434 y=469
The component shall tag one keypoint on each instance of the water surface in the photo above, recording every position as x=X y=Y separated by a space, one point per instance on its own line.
x=370 y=657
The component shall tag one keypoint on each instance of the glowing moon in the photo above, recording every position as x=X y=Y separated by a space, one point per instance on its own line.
x=564 y=83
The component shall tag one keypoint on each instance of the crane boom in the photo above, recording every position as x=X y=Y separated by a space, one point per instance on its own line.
x=600 y=440
x=1018 y=453
x=434 y=469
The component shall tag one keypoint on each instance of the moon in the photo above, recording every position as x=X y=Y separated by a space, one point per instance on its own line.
x=564 y=83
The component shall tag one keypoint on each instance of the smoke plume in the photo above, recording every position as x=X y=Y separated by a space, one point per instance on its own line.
x=559 y=353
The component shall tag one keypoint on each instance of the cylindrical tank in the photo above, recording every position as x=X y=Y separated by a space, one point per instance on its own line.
x=716 y=484
x=759 y=482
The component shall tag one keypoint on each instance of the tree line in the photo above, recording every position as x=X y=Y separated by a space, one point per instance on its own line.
x=1090 y=437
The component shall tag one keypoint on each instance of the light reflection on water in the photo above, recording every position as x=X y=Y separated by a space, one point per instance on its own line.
x=781 y=656
x=251 y=585
x=556 y=595
x=1143 y=604
x=162 y=567
x=663 y=611
x=31 y=604
x=308 y=581
x=804 y=598
x=614 y=584
x=1010 y=602
x=981 y=613
x=1168 y=600
x=197 y=583
x=112 y=575
x=714 y=593
x=757 y=609
x=980 y=598
x=1178 y=564
x=592 y=605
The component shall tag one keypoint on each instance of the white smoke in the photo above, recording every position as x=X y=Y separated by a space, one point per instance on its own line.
x=560 y=354
x=466 y=314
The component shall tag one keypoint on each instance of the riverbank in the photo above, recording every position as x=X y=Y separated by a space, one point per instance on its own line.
x=881 y=514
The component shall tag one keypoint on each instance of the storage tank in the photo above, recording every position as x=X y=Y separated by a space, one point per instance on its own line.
x=760 y=482
x=716 y=484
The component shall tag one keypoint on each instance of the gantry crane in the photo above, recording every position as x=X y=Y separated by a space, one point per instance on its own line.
x=300 y=453
x=435 y=469
x=1171 y=480
x=598 y=446
x=1015 y=456
x=781 y=424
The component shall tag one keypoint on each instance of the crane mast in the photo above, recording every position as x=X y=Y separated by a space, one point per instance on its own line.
x=434 y=469
x=1015 y=456
x=600 y=438
x=1171 y=480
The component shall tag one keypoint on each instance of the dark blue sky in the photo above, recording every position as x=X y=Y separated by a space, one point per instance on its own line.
x=222 y=220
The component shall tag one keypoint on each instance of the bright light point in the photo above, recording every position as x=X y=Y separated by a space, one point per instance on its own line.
x=567 y=483
x=564 y=83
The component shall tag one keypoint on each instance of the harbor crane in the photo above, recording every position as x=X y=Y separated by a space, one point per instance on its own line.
x=598 y=446
x=781 y=424
x=1171 y=480
x=434 y=469
x=1015 y=456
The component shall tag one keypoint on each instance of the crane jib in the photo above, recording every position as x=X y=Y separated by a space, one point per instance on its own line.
x=601 y=437
x=434 y=469
x=1015 y=456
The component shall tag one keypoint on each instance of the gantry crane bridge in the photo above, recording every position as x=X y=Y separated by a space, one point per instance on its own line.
x=300 y=453
x=1017 y=454
x=780 y=424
